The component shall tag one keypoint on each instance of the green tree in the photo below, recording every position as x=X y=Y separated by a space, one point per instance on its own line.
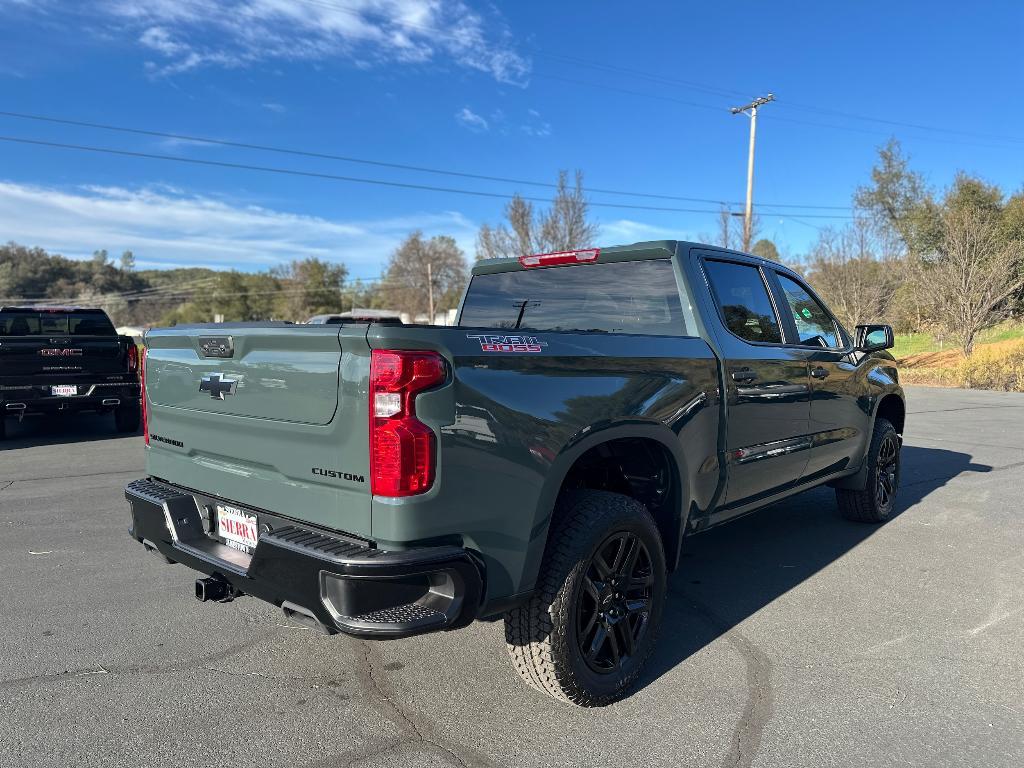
x=127 y=261
x=420 y=269
x=309 y=287
x=766 y=249
x=964 y=249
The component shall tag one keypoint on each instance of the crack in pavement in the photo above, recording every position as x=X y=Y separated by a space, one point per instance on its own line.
x=136 y=669
x=412 y=729
x=85 y=474
x=746 y=737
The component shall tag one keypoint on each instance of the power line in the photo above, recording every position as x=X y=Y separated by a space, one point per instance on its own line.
x=650 y=76
x=360 y=180
x=378 y=163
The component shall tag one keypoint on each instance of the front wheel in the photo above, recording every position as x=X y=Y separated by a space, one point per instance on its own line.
x=587 y=632
x=875 y=503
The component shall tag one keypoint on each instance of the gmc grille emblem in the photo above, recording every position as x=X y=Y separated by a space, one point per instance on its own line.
x=217 y=385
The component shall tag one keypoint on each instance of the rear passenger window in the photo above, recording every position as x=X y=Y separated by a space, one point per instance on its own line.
x=743 y=298
x=638 y=297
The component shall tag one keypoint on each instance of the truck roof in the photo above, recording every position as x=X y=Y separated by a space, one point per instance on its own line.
x=52 y=308
x=649 y=249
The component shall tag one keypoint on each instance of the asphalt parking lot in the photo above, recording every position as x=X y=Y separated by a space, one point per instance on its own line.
x=793 y=637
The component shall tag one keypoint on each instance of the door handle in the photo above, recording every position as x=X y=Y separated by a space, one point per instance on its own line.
x=743 y=375
x=819 y=373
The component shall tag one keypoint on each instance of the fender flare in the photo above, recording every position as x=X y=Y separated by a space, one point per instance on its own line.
x=578 y=445
x=858 y=481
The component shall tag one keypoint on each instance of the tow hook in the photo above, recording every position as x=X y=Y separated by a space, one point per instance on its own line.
x=215 y=588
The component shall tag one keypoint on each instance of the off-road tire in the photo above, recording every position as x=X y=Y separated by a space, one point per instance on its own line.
x=873 y=504
x=542 y=635
x=127 y=418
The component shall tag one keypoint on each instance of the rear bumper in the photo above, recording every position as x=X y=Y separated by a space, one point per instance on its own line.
x=18 y=400
x=339 y=584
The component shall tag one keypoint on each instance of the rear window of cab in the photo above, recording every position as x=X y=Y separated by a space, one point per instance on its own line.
x=20 y=323
x=638 y=297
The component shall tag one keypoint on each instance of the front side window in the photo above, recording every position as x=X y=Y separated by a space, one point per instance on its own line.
x=743 y=298
x=814 y=326
x=639 y=297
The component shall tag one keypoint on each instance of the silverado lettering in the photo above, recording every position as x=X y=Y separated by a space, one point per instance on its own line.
x=167 y=440
x=690 y=385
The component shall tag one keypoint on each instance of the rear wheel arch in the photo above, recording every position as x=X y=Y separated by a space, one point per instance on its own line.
x=565 y=475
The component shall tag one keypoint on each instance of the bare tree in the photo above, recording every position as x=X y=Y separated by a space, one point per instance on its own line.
x=853 y=271
x=725 y=234
x=565 y=226
x=420 y=269
x=975 y=275
x=729 y=233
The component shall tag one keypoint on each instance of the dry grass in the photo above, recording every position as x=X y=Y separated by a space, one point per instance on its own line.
x=992 y=366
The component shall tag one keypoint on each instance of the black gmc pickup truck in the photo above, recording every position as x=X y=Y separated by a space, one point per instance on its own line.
x=59 y=360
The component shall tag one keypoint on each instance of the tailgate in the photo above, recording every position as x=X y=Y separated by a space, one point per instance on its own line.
x=283 y=373
x=271 y=416
x=41 y=356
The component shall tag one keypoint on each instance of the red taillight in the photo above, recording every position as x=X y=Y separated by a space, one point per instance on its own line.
x=133 y=357
x=562 y=257
x=401 y=446
x=142 y=392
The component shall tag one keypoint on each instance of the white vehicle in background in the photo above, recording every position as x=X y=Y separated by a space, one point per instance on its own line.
x=357 y=315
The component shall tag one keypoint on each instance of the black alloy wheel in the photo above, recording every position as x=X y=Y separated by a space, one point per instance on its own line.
x=887 y=472
x=613 y=608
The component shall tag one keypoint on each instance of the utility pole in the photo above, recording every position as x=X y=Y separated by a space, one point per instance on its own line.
x=751 y=110
x=430 y=292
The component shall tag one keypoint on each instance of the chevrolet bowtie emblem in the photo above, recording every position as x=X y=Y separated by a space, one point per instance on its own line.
x=217 y=385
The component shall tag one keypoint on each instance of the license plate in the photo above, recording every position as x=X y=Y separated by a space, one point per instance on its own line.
x=237 y=528
x=64 y=390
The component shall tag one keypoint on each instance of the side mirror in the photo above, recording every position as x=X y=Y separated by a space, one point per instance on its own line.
x=874 y=337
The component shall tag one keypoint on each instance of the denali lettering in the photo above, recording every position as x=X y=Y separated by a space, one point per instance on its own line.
x=338 y=474
x=60 y=352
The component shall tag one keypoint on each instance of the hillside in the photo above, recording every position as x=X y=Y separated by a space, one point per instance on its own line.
x=997 y=362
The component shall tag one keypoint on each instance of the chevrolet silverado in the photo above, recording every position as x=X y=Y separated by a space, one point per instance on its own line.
x=542 y=461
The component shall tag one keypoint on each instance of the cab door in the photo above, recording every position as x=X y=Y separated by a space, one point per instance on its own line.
x=839 y=415
x=767 y=391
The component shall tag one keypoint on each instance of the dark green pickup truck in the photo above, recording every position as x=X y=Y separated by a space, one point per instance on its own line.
x=541 y=461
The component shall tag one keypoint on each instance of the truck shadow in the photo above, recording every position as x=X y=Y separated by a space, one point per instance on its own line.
x=730 y=572
x=55 y=430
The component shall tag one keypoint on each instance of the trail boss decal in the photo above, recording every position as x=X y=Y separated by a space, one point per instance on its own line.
x=496 y=343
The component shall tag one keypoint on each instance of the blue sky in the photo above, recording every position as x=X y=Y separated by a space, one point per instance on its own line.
x=635 y=95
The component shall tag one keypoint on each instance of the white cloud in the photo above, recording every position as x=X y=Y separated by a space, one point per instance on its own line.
x=535 y=125
x=625 y=231
x=472 y=120
x=165 y=227
x=237 y=33
x=272 y=106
